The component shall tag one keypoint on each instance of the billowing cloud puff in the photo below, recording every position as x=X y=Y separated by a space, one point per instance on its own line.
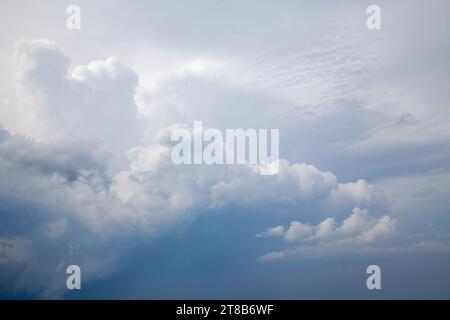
x=95 y=102
x=277 y=231
x=294 y=184
x=359 y=232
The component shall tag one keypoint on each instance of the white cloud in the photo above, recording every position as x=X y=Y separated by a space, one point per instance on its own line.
x=358 y=221
x=93 y=103
x=359 y=232
x=297 y=231
x=385 y=226
x=277 y=231
x=297 y=183
x=325 y=229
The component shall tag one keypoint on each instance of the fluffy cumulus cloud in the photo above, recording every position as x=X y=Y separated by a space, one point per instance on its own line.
x=360 y=232
x=93 y=102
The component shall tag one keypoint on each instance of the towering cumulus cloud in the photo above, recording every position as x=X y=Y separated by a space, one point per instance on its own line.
x=62 y=199
x=86 y=175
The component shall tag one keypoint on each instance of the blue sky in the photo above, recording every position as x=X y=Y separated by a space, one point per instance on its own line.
x=87 y=178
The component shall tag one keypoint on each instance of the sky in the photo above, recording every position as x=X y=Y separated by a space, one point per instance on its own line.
x=86 y=176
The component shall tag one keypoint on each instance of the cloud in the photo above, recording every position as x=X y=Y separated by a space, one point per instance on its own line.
x=86 y=169
x=358 y=221
x=298 y=230
x=294 y=184
x=277 y=231
x=56 y=166
x=53 y=206
x=359 y=232
x=70 y=160
x=94 y=103
x=74 y=209
x=383 y=227
x=14 y=250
